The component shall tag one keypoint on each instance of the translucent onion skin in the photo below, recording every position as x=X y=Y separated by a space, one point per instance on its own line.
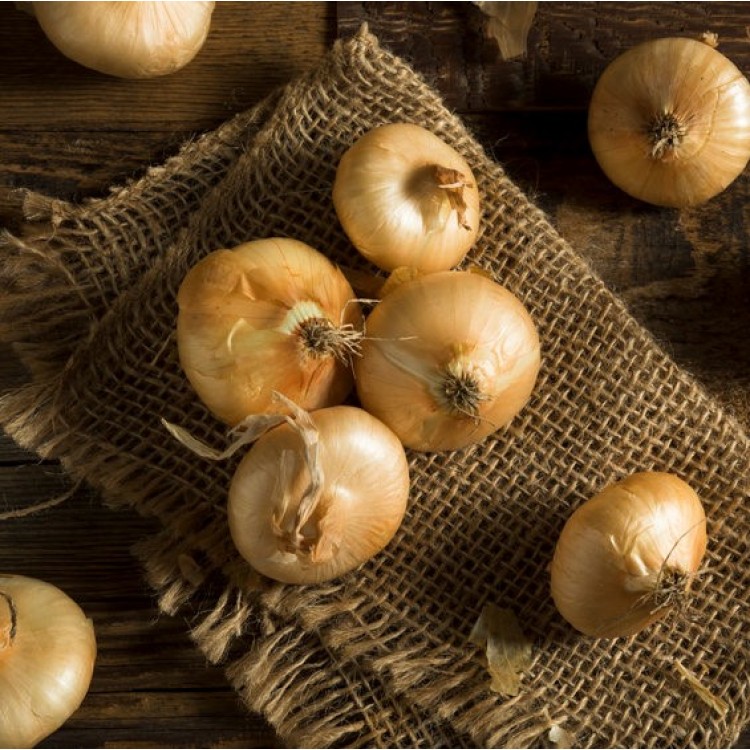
x=391 y=207
x=627 y=556
x=669 y=122
x=447 y=359
x=46 y=659
x=362 y=502
x=244 y=315
x=127 y=39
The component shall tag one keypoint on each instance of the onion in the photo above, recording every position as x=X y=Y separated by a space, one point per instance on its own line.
x=669 y=122
x=448 y=358
x=319 y=495
x=47 y=655
x=627 y=557
x=406 y=198
x=269 y=315
x=127 y=39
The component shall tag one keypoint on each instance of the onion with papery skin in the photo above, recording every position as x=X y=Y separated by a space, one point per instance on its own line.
x=47 y=655
x=318 y=496
x=127 y=39
x=447 y=359
x=406 y=198
x=269 y=315
x=627 y=557
x=669 y=122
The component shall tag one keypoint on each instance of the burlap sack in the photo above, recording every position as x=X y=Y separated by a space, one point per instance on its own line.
x=380 y=657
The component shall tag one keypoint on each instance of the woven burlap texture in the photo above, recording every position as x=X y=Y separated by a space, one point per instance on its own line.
x=380 y=657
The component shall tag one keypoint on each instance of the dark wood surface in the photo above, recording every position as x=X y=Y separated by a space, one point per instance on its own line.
x=69 y=132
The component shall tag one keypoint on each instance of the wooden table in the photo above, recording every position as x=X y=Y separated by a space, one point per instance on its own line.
x=69 y=132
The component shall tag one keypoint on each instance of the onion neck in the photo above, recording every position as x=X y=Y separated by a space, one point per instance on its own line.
x=309 y=531
x=446 y=184
x=8 y=621
x=460 y=389
x=665 y=133
x=318 y=336
x=302 y=522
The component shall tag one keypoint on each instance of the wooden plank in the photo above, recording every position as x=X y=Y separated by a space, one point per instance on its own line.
x=163 y=719
x=569 y=45
x=252 y=48
x=72 y=165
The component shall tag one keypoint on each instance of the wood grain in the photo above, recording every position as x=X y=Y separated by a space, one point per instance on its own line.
x=251 y=49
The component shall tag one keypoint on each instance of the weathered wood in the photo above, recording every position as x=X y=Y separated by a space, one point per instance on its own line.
x=251 y=49
x=72 y=165
x=164 y=719
x=569 y=45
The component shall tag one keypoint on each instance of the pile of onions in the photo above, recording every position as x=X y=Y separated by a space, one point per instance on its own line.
x=448 y=358
x=47 y=655
x=318 y=495
x=669 y=122
x=269 y=315
x=406 y=198
x=628 y=556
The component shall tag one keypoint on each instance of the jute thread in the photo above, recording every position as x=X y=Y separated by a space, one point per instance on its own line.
x=380 y=657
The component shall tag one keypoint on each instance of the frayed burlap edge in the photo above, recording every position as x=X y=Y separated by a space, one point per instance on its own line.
x=38 y=273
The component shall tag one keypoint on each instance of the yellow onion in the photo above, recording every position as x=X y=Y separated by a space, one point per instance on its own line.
x=319 y=495
x=627 y=556
x=669 y=122
x=269 y=315
x=47 y=655
x=405 y=197
x=127 y=39
x=447 y=359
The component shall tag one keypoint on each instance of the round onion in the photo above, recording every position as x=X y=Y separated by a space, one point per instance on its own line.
x=627 y=557
x=47 y=655
x=272 y=315
x=669 y=122
x=319 y=495
x=406 y=198
x=447 y=359
x=127 y=39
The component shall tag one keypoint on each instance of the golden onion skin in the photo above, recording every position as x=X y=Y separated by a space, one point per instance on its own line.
x=669 y=122
x=131 y=40
x=617 y=549
x=363 y=499
x=434 y=334
x=391 y=208
x=240 y=328
x=46 y=659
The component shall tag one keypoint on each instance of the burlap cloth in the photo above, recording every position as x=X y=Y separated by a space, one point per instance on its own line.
x=380 y=657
